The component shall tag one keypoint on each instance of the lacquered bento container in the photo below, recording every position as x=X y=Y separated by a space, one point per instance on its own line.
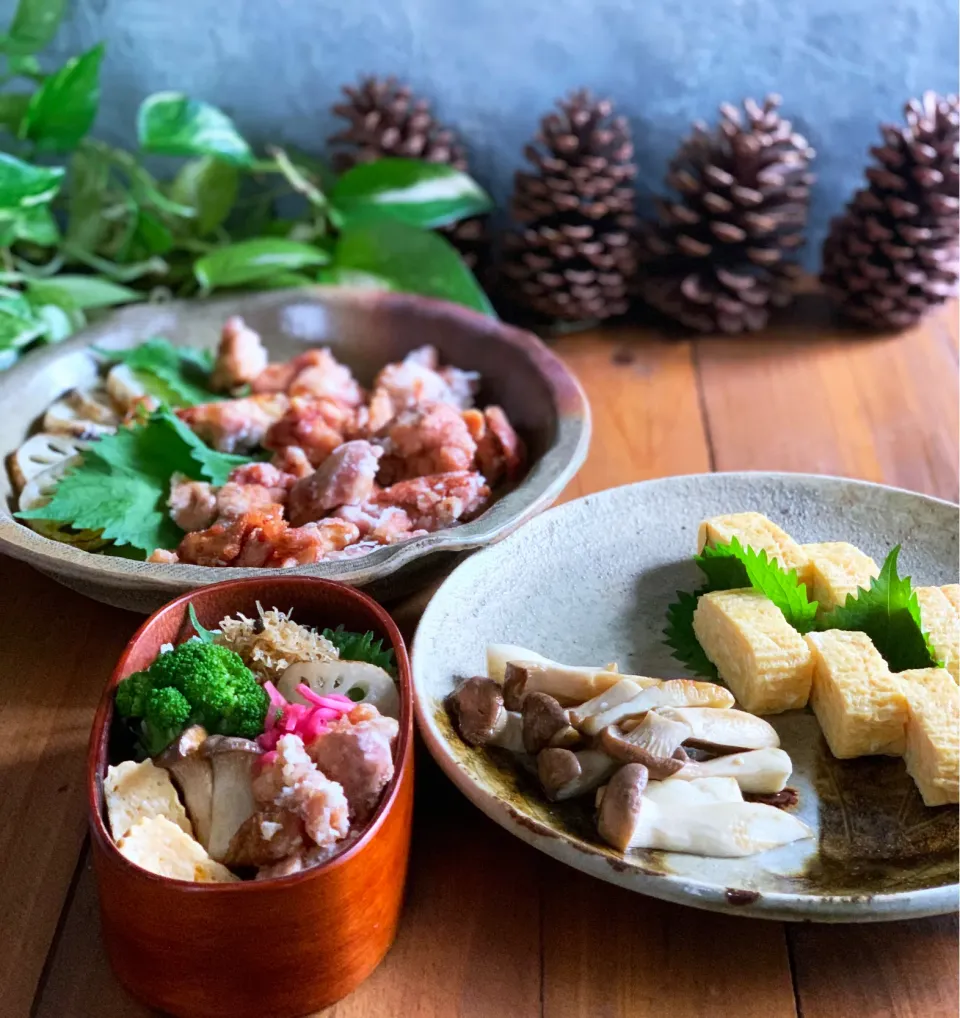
x=269 y=949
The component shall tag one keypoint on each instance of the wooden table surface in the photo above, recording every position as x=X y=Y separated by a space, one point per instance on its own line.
x=492 y=928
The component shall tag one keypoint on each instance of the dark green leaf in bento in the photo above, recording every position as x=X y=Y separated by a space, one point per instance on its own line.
x=203 y=634
x=680 y=637
x=421 y=194
x=250 y=260
x=209 y=186
x=171 y=123
x=23 y=185
x=361 y=647
x=64 y=107
x=889 y=613
x=411 y=260
x=34 y=25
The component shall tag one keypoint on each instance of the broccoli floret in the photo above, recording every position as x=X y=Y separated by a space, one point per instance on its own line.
x=132 y=694
x=166 y=716
x=201 y=683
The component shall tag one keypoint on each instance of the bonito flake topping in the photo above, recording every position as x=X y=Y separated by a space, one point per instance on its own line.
x=272 y=642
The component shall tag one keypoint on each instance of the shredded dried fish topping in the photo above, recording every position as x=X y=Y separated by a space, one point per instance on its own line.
x=272 y=642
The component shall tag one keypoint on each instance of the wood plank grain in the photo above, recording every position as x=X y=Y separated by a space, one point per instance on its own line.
x=646 y=415
x=887 y=970
x=885 y=410
x=609 y=953
x=56 y=652
x=454 y=956
x=79 y=981
x=882 y=409
x=469 y=941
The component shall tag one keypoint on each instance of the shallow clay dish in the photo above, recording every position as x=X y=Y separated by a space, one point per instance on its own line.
x=365 y=330
x=589 y=582
x=282 y=947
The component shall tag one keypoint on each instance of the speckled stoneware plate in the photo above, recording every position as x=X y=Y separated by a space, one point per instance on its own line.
x=589 y=582
x=365 y=330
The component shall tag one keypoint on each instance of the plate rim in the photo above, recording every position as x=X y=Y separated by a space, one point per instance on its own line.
x=540 y=486
x=779 y=905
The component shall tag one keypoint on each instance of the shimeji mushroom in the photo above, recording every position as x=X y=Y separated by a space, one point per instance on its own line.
x=624 y=691
x=670 y=693
x=656 y=743
x=567 y=685
x=232 y=760
x=361 y=681
x=266 y=837
x=500 y=654
x=193 y=773
x=628 y=819
x=724 y=729
x=482 y=720
x=545 y=723
x=761 y=771
x=565 y=774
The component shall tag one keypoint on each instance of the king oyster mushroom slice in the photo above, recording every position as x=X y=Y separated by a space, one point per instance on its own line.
x=675 y=792
x=545 y=723
x=567 y=685
x=732 y=730
x=372 y=683
x=232 y=760
x=565 y=774
x=193 y=773
x=622 y=692
x=629 y=819
x=482 y=720
x=653 y=743
x=669 y=693
x=762 y=771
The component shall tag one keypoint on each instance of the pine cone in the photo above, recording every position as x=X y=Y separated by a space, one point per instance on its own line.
x=386 y=120
x=575 y=255
x=722 y=254
x=893 y=255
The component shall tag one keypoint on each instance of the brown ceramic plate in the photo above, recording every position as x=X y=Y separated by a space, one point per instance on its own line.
x=590 y=582
x=280 y=947
x=365 y=330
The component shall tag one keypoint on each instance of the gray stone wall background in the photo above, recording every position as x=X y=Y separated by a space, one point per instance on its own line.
x=492 y=67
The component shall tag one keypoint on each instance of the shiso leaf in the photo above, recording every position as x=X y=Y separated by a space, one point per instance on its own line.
x=730 y=567
x=175 y=375
x=122 y=483
x=680 y=638
x=889 y=613
x=754 y=569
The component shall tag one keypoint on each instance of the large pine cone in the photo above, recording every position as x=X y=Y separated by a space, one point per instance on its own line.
x=574 y=257
x=893 y=255
x=384 y=119
x=723 y=254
